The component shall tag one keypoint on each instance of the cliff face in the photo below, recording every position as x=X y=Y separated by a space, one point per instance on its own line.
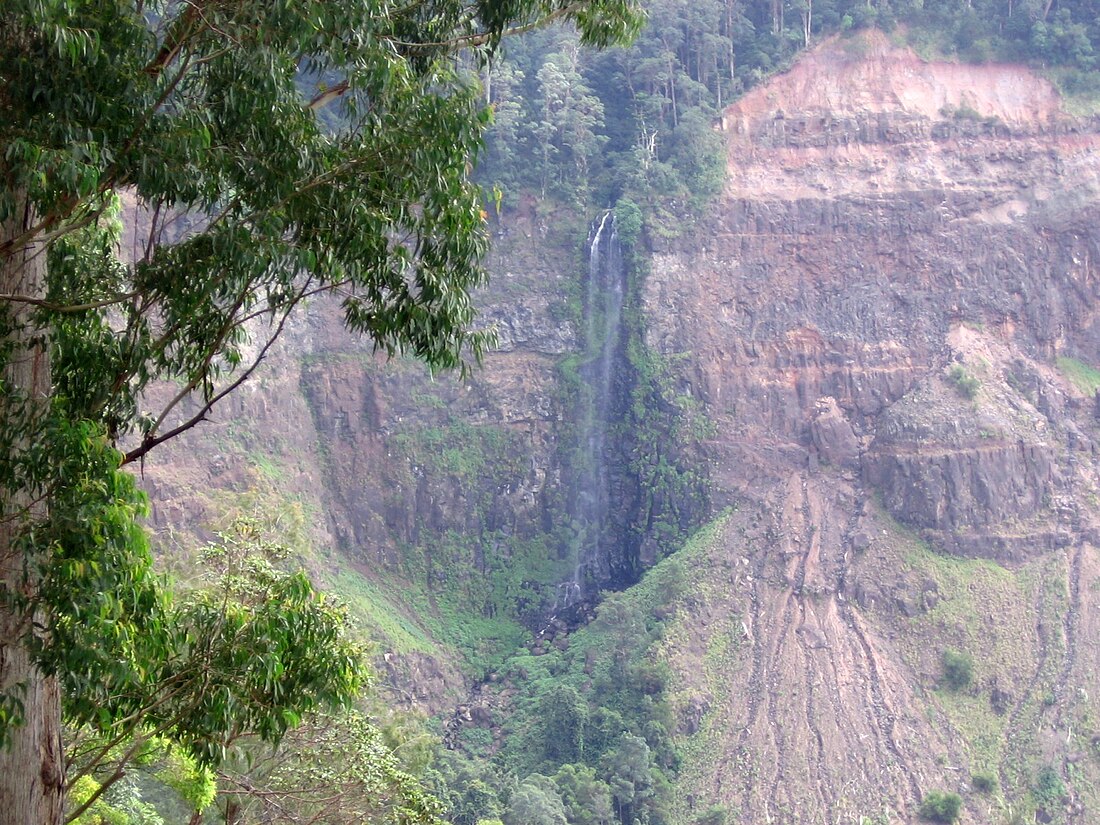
x=888 y=321
x=872 y=252
x=876 y=314
x=436 y=506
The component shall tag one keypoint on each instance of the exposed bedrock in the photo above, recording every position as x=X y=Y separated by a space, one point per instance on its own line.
x=884 y=318
x=889 y=320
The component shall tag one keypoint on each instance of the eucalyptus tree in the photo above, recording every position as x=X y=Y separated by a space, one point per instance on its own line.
x=265 y=151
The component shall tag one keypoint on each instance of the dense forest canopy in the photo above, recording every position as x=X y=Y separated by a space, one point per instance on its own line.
x=593 y=126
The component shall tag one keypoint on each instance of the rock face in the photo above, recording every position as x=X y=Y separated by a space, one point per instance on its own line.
x=875 y=314
x=887 y=321
x=404 y=480
x=854 y=262
x=833 y=437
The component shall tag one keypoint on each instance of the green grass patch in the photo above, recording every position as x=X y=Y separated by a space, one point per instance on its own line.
x=372 y=605
x=979 y=727
x=669 y=580
x=441 y=628
x=485 y=642
x=267 y=466
x=1084 y=377
x=975 y=597
x=986 y=611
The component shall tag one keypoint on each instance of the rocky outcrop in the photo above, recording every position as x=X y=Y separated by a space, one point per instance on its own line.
x=833 y=436
x=875 y=313
x=875 y=322
x=972 y=474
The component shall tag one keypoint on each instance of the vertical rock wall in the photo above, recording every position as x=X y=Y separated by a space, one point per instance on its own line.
x=879 y=315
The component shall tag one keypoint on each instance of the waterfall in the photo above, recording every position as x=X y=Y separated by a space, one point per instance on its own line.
x=592 y=497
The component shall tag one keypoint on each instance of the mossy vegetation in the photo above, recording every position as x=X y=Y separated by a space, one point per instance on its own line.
x=964 y=383
x=662 y=429
x=941 y=806
x=474 y=587
x=975 y=598
x=1080 y=374
x=466 y=452
x=958 y=669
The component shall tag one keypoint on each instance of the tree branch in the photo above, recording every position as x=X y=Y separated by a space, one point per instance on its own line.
x=68 y=308
x=184 y=27
x=152 y=441
x=330 y=94
x=120 y=771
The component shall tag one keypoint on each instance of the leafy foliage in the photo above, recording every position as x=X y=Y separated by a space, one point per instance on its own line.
x=124 y=808
x=587 y=798
x=564 y=715
x=535 y=802
x=594 y=717
x=941 y=806
x=267 y=152
x=471 y=790
x=958 y=669
x=247 y=654
x=965 y=384
x=332 y=768
x=628 y=222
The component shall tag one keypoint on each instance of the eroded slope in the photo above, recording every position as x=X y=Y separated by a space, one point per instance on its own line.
x=875 y=317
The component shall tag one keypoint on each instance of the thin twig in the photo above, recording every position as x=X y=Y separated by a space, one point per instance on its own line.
x=149 y=443
x=68 y=308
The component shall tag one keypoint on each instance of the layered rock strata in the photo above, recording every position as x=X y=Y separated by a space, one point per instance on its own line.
x=884 y=314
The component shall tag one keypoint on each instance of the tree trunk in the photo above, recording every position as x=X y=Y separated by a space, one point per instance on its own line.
x=32 y=768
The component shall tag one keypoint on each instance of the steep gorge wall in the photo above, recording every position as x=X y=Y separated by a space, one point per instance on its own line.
x=893 y=232
x=874 y=314
x=418 y=486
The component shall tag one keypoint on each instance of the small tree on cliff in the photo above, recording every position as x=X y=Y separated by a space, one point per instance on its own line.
x=274 y=149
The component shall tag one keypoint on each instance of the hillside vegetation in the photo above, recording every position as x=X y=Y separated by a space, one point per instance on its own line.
x=591 y=127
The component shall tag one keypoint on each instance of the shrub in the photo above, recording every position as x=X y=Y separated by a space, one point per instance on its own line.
x=1049 y=791
x=965 y=383
x=967 y=112
x=941 y=806
x=958 y=669
x=984 y=782
x=628 y=222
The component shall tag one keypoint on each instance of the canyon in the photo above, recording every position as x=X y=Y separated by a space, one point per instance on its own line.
x=884 y=337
